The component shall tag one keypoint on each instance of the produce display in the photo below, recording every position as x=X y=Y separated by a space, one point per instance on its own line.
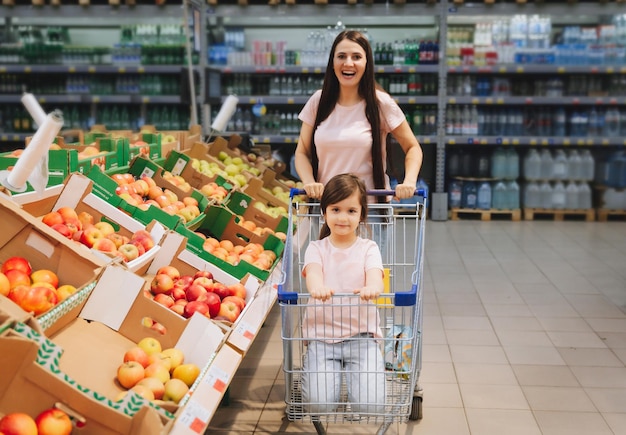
x=187 y=294
x=155 y=373
x=100 y=236
x=52 y=421
x=34 y=291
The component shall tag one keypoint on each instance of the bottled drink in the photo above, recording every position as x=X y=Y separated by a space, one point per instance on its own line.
x=512 y=164
x=484 y=196
x=558 y=195
x=588 y=166
x=560 y=166
x=417 y=121
x=571 y=196
x=612 y=122
x=532 y=165
x=499 y=196
x=545 y=190
x=532 y=195
x=512 y=195
x=559 y=122
x=483 y=166
x=584 y=196
x=469 y=195
x=454 y=194
x=499 y=163
x=574 y=163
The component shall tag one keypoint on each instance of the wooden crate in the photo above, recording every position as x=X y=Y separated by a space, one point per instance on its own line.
x=604 y=214
x=559 y=215
x=484 y=215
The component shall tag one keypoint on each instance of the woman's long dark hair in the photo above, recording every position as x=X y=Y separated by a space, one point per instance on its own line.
x=337 y=189
x=367 y=90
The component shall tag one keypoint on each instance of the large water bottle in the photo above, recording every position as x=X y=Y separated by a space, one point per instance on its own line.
x=512 y=195
x=592 y=127
x=574 y=164
x=454 y=194
x=469 y=195
x=499 y=163
x=612 y=122
x=483 y=167
x=532 y=195
x=484 y=196
x=547 y=164
x=532 y=165
x=499 y=196
x=546 y=195
x=571 y=196
x=512 y=164
x=560 y=121
x=587 y=165
x=584 y=196
x=558 y=195
x=560 y=167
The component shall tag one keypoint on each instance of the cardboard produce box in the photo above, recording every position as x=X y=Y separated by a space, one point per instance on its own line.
x=107 y=153
x=147 y=145
x=255 y=210
x=25 y=236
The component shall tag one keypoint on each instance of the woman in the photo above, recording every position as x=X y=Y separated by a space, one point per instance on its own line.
x=345 y=124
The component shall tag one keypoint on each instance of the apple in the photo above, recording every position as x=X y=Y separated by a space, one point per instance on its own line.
x=207 y=283
x=175 y=390
x=241 y=303
x=18 y=423
x=53 y=421
x=214 y=302
x=5 y=285
x=238 y=289
x=45 y=275
x=229 y=311
x=176 y=357
x=150 y=345
x=194 y=291
x=52 y=218
x=155 y=385
x=179 y=308
x=105 y=227
x=39 y=299
x=128 y=251
x=65 y=291
x=19 y=263
x=118 y=239
x=221 y=290
x=119 y=179
x=160 y=358
x=158 y=370
x=165 y=300
x=104 y=245
x=195 y=306
x=86 y=219
x=90 y=235
x=143 y=237
x=139 y=246
x=170 y=271
x=149 y=180
x=188 y=373
x=159 y=327
x=144 y=391
x=129 y=373
x=161 y=284
x=137 y=354
x=184 y=281
x=62 y=229
x=17 y=277
x=68 y=213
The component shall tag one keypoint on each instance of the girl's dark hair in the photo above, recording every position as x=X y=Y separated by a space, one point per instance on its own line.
x=337 y=189
x=367 y=91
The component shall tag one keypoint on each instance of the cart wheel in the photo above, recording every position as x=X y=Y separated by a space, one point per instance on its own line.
x=416 y=408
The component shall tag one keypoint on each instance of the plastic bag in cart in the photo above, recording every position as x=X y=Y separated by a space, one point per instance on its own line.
x=398 y=350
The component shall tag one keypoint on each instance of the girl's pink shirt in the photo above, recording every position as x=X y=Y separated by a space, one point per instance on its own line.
x=344 y=271
x=344 y=139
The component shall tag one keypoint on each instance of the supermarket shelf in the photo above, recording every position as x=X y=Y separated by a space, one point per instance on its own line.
x=90 y=69
x=293 y=139
x=89 y=98
x=534 y=141
x=538 y=69
x=529 y=100
x=301 y=100
x=292 y=69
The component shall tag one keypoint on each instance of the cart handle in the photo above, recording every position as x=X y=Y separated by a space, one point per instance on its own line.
x=376 y=192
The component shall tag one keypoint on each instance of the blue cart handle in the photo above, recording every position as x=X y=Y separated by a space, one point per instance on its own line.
x=376 y=192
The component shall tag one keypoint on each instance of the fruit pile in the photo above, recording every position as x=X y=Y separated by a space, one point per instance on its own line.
x=52 y=421
x=232 y=172
x=187 y=294
x=214 y=191
x=34 y=291
x=144 y=193
x=251 y=225
x=252 y=253
x=156 y=373
x=100 y=236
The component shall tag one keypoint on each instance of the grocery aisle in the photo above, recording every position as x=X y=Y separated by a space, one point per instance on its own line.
x=524 y=333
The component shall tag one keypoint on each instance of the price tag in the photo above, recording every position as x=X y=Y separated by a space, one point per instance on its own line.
x=288 y=140
x=42 y=100
x=140 y=70
x=3 y=69
x=179 y=166
x=589 y=141
x=71 y=69
x=488 y=100
x=27 y=69
x=266 y=140
x=533 y=141
x=452 y=100
x=244 y=329
x=475 y=101
x=484 y=141
x=195 y=417
x=515 y=141
x=502 y=69
x=426 y=140
x=145 y=99
x=290 y=100
x=147 y=172
x=605 y=142
x=500 y=101
x=95 y=99
x=381 y=69
x=217 y=379
x=451 y=141
x=519 y=69
x=544 y=142
x=567 y=142
x=121 y=70
x=4 y=138
x=317 y=70
x=412 y=100
x=305 y=70
x=412 y=69
x=580 y=142
x=560 y=69
x=91 y=69
x=252 y=101
x=610 y=70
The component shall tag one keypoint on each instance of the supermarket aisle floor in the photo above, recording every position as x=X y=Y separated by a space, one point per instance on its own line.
x=524 y=333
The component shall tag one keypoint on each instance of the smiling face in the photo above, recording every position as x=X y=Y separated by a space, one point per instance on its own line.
x=343 y=217
x=349 y=62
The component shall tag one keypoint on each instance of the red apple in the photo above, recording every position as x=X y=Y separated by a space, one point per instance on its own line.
x=229 y=311
x=19 y=263
x=161 y=284
x=238 y=289
x=139 y=246
x=165 y=300
x=68 y=214
x=184 y=281
x=90 y=235
x=204 y=273
x=221 y=290
x=18 y=423
x=170 y=271
x=196 y=306
x=158 y=327
x=118 y=239
x=17 y=277
x=241 y=303
x=52 y=218
x=205 y=282
x=119 y=179
x=194 y=291
x=144 y=237
x=136 y=354
x=155 y=385
x=104 y=245
x=213 y=301
x=39 y=299
x=45 y=275
x=128 y=251
x=53 y=421
x=5 y=285
x=178 y=293
x=62 y=229
x=86 y=219
x=129 y=373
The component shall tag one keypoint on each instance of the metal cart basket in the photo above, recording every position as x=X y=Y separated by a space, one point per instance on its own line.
x=398 y=229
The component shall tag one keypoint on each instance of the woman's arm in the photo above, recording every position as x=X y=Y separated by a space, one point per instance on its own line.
x=374 y=285
x=302 y=160
x=315 y=282
x=412 y=159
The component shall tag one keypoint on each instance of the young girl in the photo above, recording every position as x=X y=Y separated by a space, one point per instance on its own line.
x=342 y=330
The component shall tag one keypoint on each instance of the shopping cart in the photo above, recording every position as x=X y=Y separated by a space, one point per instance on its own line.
x=398 y=230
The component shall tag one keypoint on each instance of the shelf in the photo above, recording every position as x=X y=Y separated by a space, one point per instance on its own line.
x=293 y=139
x=538 y=101
x=533 y=141
x=538 y=69
x=293 y=69
x=90 y=69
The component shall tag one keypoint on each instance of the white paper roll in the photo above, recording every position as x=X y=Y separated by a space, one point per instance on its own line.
x=36 y=149
x=226 y=112
x=36 y=112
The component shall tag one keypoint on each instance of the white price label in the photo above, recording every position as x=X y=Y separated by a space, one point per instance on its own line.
x=147 y=172
x=194 y=417
x=179 y=166
x=217 y=379
x=245 y=330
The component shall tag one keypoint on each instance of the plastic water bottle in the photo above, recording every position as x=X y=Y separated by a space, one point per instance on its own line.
x=499 y=163
x=512 y=164
x=560 y=167
x=454 y=194
x=571 y=196
x=584 y=196
x=547 y=164
x=483 y=166
x=532 y=195
x=532 y=165
x=484 y=196
x=560 y=121
x=587 y=166
x=574 y=163
x=612 y=122
x=592 y=128
x=498 y=199
x=558 y=195
x=512 y=195
x=546 y=195
x=469 y=195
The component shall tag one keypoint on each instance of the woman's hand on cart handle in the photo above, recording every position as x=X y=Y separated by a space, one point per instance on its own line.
x=312 y=190
x=295 y=191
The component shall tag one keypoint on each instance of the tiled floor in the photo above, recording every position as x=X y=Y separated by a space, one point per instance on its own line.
x=524 y=333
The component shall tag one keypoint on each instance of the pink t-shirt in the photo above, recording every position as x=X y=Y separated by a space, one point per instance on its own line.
x=344 y=271
x=344 y=139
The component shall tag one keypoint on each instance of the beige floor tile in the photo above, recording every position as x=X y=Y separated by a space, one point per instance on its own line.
x=493 y=396
x=545 y=375
x=438 y=373
x=535 y=355
x=617 y=422
x=607 y=325
x=524 y=338
x=574 y=356
x=461 y=310
x=437 y=421
x=478 y=323
x=596 y=306
x=568 y=423
x=441 y=395
x=472 y=338
x=600 y=377
x=569 y=324
x=502 y=421
x=558 y=399
x=436 y=353
x=514 y=323
x=478 y=354
x=608 y=399
x=576 y=339
x=485 y=374
x=621 y=354
x=507 y=310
